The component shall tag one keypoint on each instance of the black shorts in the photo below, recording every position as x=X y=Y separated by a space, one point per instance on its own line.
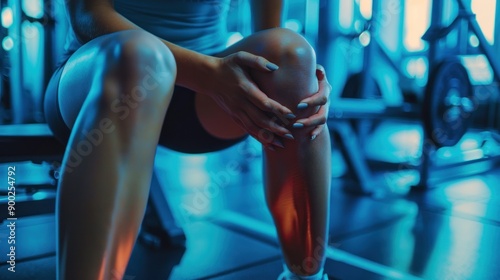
x=181 y=131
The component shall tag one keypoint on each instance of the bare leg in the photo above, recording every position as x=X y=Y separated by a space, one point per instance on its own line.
x=297 y=177
x=114 y=93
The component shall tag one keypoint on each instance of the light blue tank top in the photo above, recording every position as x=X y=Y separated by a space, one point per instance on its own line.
x=198 y=25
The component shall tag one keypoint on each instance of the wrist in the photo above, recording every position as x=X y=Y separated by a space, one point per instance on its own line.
x=194 y=70
x=203 y=77
x=197 y=72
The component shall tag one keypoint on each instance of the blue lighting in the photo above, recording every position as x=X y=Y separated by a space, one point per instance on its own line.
x=478 y=68
x=294 y=25
x=7 y=43
x=365 y=38
x=473 y=41
x=346 y=14
x=33 y=8
x=233 y=38
x=40 y=195
x=7 y=17
x=365 y=7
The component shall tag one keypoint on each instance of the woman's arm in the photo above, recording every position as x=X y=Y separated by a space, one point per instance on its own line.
x=93 y=18
x=226 y=79
x=266 y=14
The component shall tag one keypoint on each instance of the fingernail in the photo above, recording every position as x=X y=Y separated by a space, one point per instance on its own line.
x=290 y=116
x=272 y=66
x=279 y=144
x=313 y=137
x=302 y=105
x=288 y=136
x=298 y=125
x=321 y=75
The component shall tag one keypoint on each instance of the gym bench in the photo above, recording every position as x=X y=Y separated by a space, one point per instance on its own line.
x=35 y=143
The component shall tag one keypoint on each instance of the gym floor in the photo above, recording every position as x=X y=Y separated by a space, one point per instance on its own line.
x=450 y=231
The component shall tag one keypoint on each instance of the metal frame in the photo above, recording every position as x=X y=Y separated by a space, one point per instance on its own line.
x=27 y=108
x=17 y=94
x=464 y=21
x=433 y=35
x=22 y=142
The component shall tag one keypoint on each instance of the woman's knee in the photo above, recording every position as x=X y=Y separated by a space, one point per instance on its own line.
x=286 y=47
x=296 y=78
x=137 y=76
x=137 y=63
x=118 y=73
x=137 y=46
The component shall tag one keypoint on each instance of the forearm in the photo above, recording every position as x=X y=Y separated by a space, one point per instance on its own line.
x=266 y=14
x=193 y=69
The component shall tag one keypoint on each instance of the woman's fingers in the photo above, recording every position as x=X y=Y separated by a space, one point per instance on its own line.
x=317 y=99
x=266 y=104
x=255 y=61
x=316 y=132
x=254 y=94
x=320 y=98
x=269 y=123
x=257 y=97
x=264 y=136
x=262 y=117
x=317 y=119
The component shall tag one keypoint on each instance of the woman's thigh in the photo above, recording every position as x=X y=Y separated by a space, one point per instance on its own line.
x=86 y=70
x=69 y=87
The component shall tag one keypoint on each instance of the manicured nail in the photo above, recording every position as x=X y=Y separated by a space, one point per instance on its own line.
x=288 y=136
x=290 y=116
x=271 y=66
x=279 y=144
x=302 y=105
x=298 y=125
x=313 y=137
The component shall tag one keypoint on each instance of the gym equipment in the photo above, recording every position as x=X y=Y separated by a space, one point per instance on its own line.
x=446 y=111
x=30 y=54
x=35 y=143
x=362 y=104
x=365 y=83
x=448 y=104
x=431 y=167
x=159 y=228
x=449 y=95
x=365 y=40
x=344 y=113
x=455 y=99
x=354 y=87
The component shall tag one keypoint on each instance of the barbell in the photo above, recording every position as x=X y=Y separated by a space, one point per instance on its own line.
x=447 y=107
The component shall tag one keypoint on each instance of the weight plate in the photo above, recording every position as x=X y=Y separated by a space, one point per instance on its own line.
x=448 y=103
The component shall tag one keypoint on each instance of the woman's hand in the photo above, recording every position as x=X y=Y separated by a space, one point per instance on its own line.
x=234 y=90
x=321 y=98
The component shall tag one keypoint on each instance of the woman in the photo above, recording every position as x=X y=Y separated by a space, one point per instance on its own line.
x=147 y=72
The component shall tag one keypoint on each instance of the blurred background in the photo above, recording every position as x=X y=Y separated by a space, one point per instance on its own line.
x=33 y=34
x=414 y=119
